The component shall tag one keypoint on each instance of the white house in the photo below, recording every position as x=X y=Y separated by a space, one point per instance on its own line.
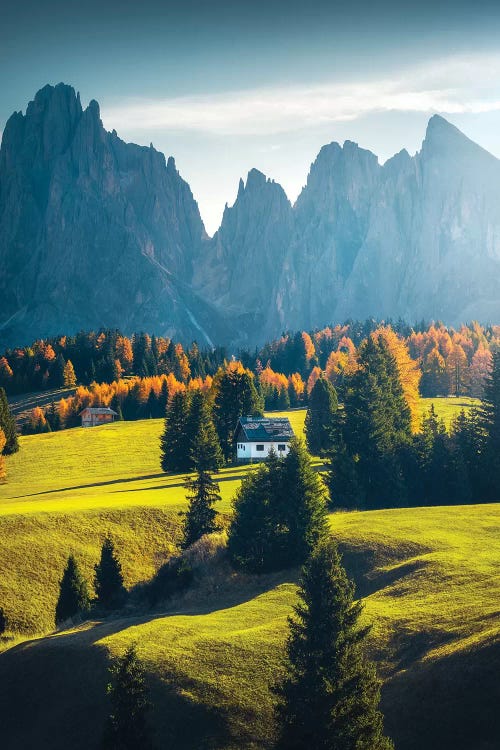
x=93 y=416
x=255 y=436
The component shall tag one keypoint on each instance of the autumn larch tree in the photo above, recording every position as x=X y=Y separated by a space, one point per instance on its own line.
x=127 y=726
x=329 y=697
x=8 y=425
x=108 y=580
x=69 y=377
x=73 y=593
x=321 y=417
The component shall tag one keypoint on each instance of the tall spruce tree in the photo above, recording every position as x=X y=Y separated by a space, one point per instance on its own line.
x=256 y=536
x=329 y=697
x=8 y=426
x=108 y=580
x=490 y=424
x=235 y=396
x=303 y=505
x=127 y=727
x=377 y=424
x=203 y=491
x=175 y=443
x=73 y=593
x=342 y=480
x=321 y=418
x=203 y=440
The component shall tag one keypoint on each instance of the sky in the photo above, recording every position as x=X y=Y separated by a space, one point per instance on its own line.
x=228 y=86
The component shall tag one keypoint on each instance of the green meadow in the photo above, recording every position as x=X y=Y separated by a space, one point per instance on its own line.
x=428 y=578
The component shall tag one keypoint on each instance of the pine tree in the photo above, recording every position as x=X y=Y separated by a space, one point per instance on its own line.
x=8 y=426
x=303 y=499
x=204 y=492
x=202 y=436
x=69 y=377
x=377 y=424
x=175 y=453
x=255 y=540
x=279 y=513
x=127 y=726
x=108 y=580
x=329 y=697
x=344 y=487
x=321 y=418
x=489 y=417
x=235 y=396
x=73 y=593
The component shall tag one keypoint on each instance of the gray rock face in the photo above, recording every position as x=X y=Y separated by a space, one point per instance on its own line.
x=97 y=232
x=245 y=256
x=93 y=231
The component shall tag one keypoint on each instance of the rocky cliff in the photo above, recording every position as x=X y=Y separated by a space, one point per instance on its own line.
x=93 y=231
x=97 y=232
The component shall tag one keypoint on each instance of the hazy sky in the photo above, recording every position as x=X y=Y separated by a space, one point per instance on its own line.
x=227 y=86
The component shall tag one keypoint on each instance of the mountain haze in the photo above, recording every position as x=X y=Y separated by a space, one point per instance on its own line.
x=98 y=232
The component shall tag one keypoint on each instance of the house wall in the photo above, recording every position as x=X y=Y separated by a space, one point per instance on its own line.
x=92 y=420
x=249 y=452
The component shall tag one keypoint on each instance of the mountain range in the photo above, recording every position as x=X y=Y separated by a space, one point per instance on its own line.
x=98 y=232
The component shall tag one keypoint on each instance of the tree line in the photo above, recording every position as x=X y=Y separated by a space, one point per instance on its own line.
x=376 y=458
x=451 y=361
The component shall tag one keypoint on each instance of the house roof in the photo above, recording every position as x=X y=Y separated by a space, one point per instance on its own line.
x=99 y=410
x=265 y=429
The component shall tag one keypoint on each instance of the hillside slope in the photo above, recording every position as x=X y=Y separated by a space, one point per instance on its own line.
x=430 y=586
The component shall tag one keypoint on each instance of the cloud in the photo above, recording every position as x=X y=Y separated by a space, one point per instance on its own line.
x=449 y=86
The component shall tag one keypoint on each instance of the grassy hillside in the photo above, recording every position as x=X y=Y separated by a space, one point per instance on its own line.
x=66 y=490
x=431 y=589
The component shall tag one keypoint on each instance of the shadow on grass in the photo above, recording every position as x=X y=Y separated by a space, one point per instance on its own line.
x=450 y=703
x=53 y=689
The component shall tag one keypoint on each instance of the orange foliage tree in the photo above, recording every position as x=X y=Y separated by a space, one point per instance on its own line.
x=408 y=368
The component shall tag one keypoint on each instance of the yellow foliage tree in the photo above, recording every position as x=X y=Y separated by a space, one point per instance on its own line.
x=408 y=368
x=69 y=377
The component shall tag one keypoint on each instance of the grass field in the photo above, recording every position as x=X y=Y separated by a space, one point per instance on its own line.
x=431 y=591
x=66 y=490
x=428 y=577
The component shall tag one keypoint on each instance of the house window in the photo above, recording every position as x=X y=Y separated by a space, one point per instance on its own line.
x=259 y=447
x=281 y=447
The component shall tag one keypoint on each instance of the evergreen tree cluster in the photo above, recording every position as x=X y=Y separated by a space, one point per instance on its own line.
x=321 y=424
x=74 y=597
x=376 y=461
x=279 y=513
x=189 y=425
x=103 y=357
x=8 y=426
